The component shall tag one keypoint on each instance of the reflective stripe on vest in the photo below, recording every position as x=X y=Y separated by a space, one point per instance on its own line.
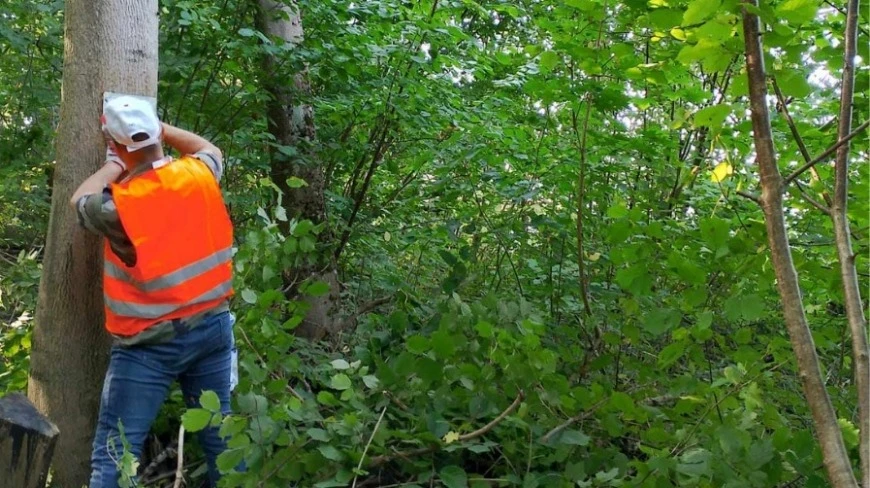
x=148 y=311
x=175 y=278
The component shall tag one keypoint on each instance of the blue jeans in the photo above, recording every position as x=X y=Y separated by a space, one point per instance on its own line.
x=137 y=383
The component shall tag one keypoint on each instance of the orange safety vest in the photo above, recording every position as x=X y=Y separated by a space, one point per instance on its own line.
x=176 y=219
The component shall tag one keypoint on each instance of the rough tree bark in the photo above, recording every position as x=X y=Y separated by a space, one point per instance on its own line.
x=851 y=291
x=27 y=442
x=109 y=45
x=292 y=125
x=836 y=459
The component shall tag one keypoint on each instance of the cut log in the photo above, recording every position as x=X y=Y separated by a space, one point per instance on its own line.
x=26 y=443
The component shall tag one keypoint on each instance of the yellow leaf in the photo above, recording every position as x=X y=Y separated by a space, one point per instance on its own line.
x=451 y=437
x=594 y=256
x=721 y=171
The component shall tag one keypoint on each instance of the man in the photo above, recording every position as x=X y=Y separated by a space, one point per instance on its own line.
x=167 y=277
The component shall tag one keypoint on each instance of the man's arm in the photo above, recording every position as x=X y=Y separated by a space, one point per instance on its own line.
x=96 y=182
x=187 y=142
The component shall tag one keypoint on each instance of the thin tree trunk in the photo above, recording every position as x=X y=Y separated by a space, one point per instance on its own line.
x=292 y=124
x=851 y=291
x=836 y=459
x=581 y=195
x=109 y=45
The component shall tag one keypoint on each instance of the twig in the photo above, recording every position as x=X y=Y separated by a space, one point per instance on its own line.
x=364 y=309
x=380 y=460
x=803 y=150
x=395 y=400
x=369 y=443
x=815 y=203
x=179 y=471
x=165 y=454
x=577 y=418
x=828 y=152
x=486 y=428
x=264 y=363
x=746 y=194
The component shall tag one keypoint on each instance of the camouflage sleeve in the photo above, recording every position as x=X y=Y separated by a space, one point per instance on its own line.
x=97 y=213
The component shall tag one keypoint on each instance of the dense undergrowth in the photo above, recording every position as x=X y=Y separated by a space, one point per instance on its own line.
x=484 y=343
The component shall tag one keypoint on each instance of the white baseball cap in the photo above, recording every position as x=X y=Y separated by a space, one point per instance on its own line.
x=132 y=121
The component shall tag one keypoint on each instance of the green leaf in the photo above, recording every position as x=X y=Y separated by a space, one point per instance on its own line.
x=317 y=289
x=715 y=30
x=302 y=228
x=340 y=364
x=251 y=403
x=484 y=329
x=760 y=453
x=327 y=398
x=743 y=307
x=548 y=61
x=295 y=182
x=851 y=434
x=330 y=453
x=340 y=382
x=662 y=320
x=195 y=419
x=574 y=438
x=700 y=10
x=249 y=296
x=712 y=116
x=417 y=344
x=443 y=344
x=695 y=463
x=210 y=401
x=798 y=11
x=230 y=459
x=671 y=354
x=371 y=381
x=622 y=402
x=287 y=150
x=712 y=55
x=318 y=434
x=793 y=83
x=665 y=18
x=453 y=477
x=584 y=5
x=246 y=32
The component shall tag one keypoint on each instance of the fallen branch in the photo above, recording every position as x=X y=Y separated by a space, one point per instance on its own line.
x=412 y=453
x=148 y=473
x=369 y=443
x=545 y=439
x=828 y=152
x=179 y=471
x=488 y=427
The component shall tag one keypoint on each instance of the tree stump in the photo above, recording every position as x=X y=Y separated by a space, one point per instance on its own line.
x=26 y=443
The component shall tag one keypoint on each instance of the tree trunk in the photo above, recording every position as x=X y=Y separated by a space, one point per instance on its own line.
x=851 y=291
x=26 y=443
x=109 y=45
x=292 y=124
x=836 y=459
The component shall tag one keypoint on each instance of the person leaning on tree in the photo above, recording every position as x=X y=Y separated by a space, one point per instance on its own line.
x=167 y=278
